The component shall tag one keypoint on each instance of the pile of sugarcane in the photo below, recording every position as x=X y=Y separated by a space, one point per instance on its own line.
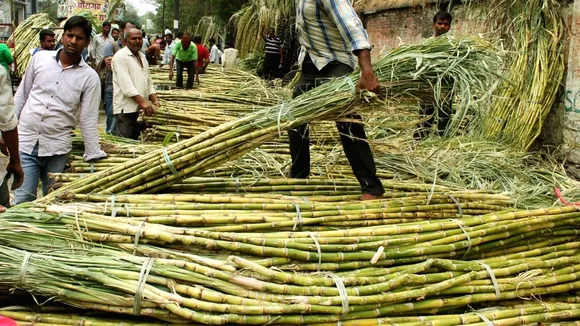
x=292 y=260
x=26 y=38
x=253 y=63
x=536 y=69
x=208 y=28
x=160 y=169
x=256 y=17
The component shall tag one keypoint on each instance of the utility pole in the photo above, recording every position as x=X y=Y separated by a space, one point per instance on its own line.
x=175 y=16
x=163 y=26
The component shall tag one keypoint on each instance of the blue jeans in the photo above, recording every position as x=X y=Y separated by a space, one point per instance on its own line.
x=37 y=168
x=111 y=121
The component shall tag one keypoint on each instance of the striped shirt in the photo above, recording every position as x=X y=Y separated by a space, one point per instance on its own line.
x=273 y=45
x=330 y=30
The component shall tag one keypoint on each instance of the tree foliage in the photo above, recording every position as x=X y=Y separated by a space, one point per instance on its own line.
x=191 y=11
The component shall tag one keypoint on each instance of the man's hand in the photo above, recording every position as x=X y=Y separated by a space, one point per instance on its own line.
x=108 y=62
x=170 y=74
x=3 y=147
x=368 y=81
x=15 y=169
x=147 y=108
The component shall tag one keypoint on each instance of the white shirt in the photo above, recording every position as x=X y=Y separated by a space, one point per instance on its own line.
x=8 y=120
x=230 y=58
x=130 y=79
x=98 y=45
x=167 y=53
x=215 y=54
x=51 y=100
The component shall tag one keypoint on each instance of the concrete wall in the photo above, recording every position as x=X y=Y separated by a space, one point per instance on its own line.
x=570 y=100
x=389 y=29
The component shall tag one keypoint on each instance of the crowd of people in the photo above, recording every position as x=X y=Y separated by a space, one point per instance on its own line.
x=64 y=84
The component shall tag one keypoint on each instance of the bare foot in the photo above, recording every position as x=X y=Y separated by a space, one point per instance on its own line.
x=365 y=197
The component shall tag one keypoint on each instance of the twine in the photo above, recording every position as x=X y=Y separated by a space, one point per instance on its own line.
x=23 y=269
x=177 y=134
x=92 y=166
x=145 y=269
x=133 y=150
x=113 y=208
x=318 y=250
x=137 y=236
x=377 y=255
x=126 y=205
x=298 y=222
x=485 y=319
x=342 y=292
x=168 y=161
x=469 y=242
x=237 y=185
x=493 y=279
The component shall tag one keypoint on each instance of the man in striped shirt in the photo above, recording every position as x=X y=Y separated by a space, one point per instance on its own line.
x=274 y=55
x=333 y=37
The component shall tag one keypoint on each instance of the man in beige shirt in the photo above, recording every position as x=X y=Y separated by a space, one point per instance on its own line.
x=133 y=89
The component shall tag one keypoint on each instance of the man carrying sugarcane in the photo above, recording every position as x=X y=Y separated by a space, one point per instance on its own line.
x=133 y=89
x=58 y=91
x=333 y=37
x=441 y=25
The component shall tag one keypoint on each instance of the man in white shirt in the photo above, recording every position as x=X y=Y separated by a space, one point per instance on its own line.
x=230 y=57
x=59 y=90
x=9 y=140
x=168 y=48
x=98 y=44
x=133 y=89
x=215 y=54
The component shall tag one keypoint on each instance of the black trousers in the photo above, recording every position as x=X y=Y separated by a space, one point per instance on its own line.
x=271 y=64
x=4 y=194
x=127 y=125
x=190 y=73
x=437 y=115
x=352 y=134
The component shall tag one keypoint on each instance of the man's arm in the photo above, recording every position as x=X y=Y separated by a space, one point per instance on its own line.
x=353 y=32
x=25 y=86
x=89 y=117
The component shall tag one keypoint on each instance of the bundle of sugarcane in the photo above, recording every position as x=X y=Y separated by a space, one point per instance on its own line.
x=535 y=72
x=208 y=27
x=407 y=72
x=309 y=204
x=384 y=273
x=26 y=38
x=255 y=18
x=253 y=63
x=67 y=315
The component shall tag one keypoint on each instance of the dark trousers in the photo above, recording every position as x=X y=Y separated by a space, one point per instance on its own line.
x=4 y=194
x=271 y=64
x=352 y=134
x=190 y=73
x=437 y=115
x=127 y=125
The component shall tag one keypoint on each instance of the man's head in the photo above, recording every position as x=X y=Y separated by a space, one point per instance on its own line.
x=125 y=26
x=47 y=41
x=211 y=41
x=442 y=22
x=179 y=35
x=106 y=28
x=271 y=32
x=115 y=33
x=168 y=38
x=76 y=36
x=185 y=41
x=197 y=39
x=134 y=40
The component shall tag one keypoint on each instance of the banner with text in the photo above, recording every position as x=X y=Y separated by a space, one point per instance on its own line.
x=68 y=8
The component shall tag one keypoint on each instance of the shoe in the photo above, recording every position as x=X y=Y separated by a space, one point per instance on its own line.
x=365 y=197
